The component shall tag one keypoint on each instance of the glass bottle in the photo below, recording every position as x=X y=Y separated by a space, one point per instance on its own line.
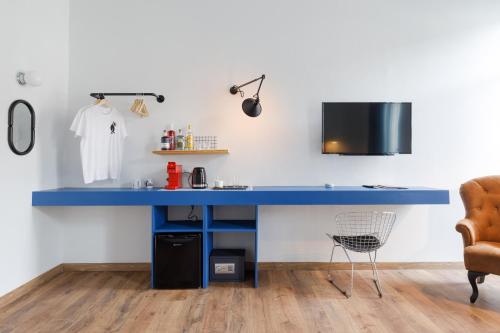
x=171 y=137
x=165 y=142
x=189 y=138
x=180 y=143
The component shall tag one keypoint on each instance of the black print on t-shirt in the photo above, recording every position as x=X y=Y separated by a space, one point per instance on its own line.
x=112 y=127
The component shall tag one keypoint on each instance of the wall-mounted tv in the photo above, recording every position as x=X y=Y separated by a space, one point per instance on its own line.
x=366 y=128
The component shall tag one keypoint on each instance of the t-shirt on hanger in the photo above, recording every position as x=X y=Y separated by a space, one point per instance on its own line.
x=102 y=131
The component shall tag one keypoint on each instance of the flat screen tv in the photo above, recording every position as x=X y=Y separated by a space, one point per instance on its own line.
x=366 y=128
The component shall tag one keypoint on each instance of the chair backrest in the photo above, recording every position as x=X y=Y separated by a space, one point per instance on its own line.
x=364 y=230
x=481 y=198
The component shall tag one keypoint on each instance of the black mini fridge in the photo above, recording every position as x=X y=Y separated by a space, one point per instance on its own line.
x=177 y=263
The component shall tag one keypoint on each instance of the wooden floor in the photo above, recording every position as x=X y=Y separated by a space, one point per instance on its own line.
x=287 y=301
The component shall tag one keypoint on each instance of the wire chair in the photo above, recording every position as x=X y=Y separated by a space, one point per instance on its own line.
x=362 y=232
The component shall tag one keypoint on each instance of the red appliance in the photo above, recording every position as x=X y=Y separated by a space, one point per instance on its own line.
x=174 y=179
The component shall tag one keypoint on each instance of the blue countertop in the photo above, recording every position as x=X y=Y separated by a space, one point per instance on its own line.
x=258 y=195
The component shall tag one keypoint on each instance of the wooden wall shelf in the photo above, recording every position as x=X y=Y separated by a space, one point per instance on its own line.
x=192 y=152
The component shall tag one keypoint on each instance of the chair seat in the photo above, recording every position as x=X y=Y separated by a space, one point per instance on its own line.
x=364 y=243
x=483 y=257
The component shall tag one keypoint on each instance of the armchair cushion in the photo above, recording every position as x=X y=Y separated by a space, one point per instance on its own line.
x=483 y=257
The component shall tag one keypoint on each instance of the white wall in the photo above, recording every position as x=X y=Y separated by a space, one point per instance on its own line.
x=34 y=35
x=444 y=56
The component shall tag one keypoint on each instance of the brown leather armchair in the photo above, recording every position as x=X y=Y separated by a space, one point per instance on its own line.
x=480 y=229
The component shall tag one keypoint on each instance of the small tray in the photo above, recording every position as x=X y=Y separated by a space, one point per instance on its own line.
x=231 y=187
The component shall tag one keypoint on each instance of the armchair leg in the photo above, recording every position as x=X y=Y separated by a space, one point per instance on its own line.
x=473 y=279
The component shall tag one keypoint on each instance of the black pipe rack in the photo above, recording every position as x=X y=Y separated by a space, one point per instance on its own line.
x=159 y=98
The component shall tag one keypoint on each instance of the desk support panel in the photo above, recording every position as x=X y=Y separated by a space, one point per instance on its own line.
x=207 y=227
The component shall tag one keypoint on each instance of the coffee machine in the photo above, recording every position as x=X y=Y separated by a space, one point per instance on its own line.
x=174 y=180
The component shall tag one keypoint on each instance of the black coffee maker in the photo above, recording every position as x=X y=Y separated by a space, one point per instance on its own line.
x=198 y=178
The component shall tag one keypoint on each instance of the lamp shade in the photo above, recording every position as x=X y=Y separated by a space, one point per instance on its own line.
x=251 y=107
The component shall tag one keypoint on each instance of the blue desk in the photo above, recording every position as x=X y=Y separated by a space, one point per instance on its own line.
x=259 y=195
x=160 y=200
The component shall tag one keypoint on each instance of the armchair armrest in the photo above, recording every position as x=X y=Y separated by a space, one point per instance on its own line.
x=468 y=230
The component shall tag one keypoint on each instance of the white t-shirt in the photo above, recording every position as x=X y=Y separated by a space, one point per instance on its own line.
x=102 y=131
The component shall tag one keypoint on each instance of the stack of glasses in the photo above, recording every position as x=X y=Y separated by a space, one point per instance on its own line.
x=205 y=142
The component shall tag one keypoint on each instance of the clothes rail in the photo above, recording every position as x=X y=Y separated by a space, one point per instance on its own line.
x=159 y=98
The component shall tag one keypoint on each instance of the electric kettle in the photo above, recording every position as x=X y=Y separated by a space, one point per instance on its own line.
x=198 y=178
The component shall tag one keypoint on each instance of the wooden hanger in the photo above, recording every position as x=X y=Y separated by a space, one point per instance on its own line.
x=139 y=107
x=103 y=102
x=144 y=111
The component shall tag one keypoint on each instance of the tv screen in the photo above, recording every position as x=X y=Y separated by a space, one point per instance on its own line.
x=367 y=128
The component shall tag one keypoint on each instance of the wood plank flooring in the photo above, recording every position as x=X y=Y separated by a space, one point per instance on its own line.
x=287 y=301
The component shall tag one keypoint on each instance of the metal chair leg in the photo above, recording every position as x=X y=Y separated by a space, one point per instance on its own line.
x=330 y=278
x=348 y=293
x=330 y=264
x=375 y=273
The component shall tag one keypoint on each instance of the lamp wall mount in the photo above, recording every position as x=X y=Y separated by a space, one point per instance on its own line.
x=31 y=78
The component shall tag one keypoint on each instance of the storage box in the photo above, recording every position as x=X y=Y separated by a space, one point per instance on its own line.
x=227 y=265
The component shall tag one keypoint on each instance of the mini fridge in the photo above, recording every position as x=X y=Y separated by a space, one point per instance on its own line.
x=177 y=262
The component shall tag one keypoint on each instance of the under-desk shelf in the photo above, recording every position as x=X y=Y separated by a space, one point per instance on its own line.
x=232 y=226
x=179 y=226
x=192 y=152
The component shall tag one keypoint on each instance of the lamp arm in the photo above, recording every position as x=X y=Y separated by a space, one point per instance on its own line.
x=235 y=89
x=260 y=85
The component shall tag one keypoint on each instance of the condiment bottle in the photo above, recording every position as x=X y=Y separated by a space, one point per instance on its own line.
x=165 y=143
x=171 y=137
x=189 y=138
x=180 y=143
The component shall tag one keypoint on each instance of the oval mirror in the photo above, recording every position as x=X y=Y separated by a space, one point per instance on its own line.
x=21 y=136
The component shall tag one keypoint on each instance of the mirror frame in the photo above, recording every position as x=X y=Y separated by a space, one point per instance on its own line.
x=10 y=136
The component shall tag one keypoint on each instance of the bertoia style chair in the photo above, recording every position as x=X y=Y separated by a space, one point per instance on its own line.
x=363 y=232
x=480 y=229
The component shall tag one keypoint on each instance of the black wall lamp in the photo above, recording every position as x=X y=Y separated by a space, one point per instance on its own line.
x=251 y=106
